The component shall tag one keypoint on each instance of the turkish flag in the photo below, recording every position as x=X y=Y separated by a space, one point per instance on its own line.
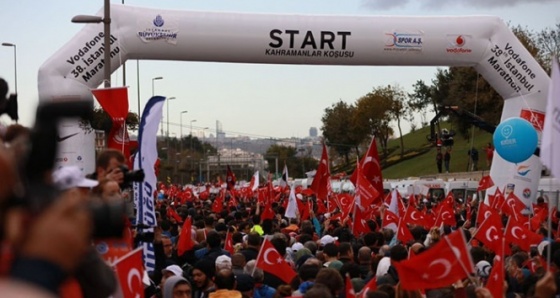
x=495 y=283
x=228 y=244
x=370 y=167
x=185 y=242
x=370 y=286
x=518 y=234
x=322 y=176
x=513 y=206
x=366 y=194
x=268 y=212
x=230 y=179
x=439 y=266
x=218 y=204
x=485 y=183
x=483 y=212
x=350 y=293
x=346 y=202
x=271 y=261
x=490 y=232
x=172 y=213
x=359 y=226
x=390 y=217
x=414 y=216
x=321 y=208
x=118 y=138
x=497 y=200
x=403 y=233
x=130 y=270
x=446 y=216
x=537 y=219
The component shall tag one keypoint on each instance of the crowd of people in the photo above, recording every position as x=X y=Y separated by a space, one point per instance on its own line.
x=56 y=249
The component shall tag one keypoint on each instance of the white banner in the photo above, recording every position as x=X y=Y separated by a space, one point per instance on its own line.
x=551 y=133
x=484 y=42
x=146 y=159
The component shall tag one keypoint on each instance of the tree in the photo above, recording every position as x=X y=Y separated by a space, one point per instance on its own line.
x=341 y=129
x=373 y=112
x=420 y=100
x=297 y=164
x=548 y=42
x=399 y=109
x=102 y=120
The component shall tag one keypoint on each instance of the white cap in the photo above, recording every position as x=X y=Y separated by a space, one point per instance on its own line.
x=223 y=262
x=327 y=239
x=71 y=177
x=297 y=246
x=299 y=196
x=176 y=270
x=483 y=268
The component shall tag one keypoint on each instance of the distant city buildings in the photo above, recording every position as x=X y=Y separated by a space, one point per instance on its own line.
x=313 y=132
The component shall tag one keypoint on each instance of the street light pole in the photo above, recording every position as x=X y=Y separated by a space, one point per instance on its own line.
x=155 y=79
x=8 y=44
x=106 y=20
x=194 y=120
x=171 y=98
x=181 y=124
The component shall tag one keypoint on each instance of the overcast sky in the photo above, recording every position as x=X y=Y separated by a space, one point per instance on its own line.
x=248 y=99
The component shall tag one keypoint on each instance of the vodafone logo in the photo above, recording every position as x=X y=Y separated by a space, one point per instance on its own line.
x=458 y=44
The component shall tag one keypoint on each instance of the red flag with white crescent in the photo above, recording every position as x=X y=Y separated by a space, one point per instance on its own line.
x=371 y=168
x=130 y=271
x=228 y=244
x=445 y=263
x=271 y=261
x=322 y=179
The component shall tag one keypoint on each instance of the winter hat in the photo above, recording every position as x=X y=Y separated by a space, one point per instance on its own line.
x=206 y=266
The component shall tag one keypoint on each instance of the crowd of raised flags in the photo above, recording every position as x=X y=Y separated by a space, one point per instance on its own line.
x=501 y=223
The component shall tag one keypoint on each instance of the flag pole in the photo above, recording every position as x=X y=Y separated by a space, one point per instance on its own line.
x=258 y=256
x=458 y=256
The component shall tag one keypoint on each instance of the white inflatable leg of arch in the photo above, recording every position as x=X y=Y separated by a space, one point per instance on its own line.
x=139 y=33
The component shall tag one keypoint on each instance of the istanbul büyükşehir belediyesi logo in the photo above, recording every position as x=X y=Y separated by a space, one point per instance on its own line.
x=158 y=21
x=158 y=29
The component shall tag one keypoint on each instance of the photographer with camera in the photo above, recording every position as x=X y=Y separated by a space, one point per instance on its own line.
x=109 y=165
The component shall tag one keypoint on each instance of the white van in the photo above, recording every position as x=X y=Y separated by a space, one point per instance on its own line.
x=435 y=187
x=462 y=189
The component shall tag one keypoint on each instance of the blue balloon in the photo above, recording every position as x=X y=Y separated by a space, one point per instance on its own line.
x=515 y=139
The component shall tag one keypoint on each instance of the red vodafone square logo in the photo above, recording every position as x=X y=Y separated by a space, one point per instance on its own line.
x=535 y=117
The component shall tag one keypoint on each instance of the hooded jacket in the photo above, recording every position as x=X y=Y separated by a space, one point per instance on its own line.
x=170 y=284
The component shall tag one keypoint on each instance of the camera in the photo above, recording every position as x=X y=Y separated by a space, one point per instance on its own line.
x=38 y=162
x=130 y=176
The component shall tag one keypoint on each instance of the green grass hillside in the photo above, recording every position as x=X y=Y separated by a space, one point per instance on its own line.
x=420 y=155
x=425 y=164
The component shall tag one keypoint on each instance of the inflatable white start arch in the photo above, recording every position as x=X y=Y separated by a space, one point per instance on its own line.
x=484 y=43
